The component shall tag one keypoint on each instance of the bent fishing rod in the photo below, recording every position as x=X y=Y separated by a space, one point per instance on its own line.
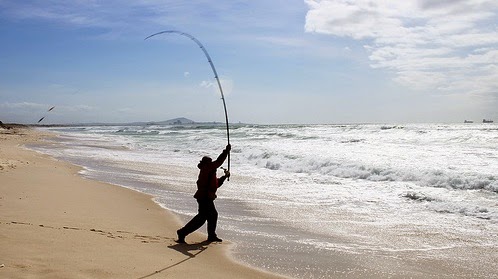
x=212 y=68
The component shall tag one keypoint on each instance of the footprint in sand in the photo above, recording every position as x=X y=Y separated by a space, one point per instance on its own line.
x=118 y=234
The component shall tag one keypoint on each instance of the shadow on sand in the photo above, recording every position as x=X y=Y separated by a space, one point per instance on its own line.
x=189 y=250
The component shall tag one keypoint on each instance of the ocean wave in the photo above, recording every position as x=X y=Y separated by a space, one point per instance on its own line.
x=456 y=181
x=426 y=178
x=440 y=205
x=436 y=179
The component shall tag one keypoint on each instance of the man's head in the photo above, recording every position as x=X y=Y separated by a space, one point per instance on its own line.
x=205 y=160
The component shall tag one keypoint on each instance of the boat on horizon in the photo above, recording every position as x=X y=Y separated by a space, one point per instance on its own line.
x=487 y=121
x=468 y=121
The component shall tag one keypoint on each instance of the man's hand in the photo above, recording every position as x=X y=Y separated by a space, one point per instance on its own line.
x=226 y=172
x=228 y=148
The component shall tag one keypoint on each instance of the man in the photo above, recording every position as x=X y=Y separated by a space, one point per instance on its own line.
x=207 y=184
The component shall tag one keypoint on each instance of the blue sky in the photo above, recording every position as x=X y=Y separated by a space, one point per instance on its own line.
x=280 y=61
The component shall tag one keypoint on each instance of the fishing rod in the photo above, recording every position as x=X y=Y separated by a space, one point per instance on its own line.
x=212 y=68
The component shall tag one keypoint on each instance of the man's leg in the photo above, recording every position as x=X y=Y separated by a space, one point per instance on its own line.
x=195 y=223
x=212 y=220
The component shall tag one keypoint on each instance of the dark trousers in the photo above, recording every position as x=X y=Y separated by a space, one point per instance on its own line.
x=207 y=212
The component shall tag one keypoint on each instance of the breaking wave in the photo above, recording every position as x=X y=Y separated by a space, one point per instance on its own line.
x=427 y=178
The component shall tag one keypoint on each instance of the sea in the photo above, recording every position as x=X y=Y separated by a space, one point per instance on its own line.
x=320 y=201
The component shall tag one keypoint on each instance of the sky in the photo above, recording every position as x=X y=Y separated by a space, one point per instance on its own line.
x=279 y=61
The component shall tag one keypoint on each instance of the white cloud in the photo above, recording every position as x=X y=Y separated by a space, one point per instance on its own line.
x=186 y=74
x=450 y=46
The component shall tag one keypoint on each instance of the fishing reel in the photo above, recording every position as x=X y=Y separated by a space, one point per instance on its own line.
x=227 y=172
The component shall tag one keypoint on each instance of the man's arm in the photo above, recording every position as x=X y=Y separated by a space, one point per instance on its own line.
x=219 y=161
x=223 y=178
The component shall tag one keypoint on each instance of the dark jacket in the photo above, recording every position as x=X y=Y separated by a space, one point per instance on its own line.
x=207 y=183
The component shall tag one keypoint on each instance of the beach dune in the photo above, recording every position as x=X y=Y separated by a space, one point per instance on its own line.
x=56 y=224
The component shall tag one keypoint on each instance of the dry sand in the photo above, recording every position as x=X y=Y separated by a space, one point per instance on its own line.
x=56 y=224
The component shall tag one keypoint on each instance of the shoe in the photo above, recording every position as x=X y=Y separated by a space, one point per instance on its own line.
x=214 y=239
x=181 y=237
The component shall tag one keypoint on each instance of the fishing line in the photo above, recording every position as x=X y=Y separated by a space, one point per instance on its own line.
x=212 y=68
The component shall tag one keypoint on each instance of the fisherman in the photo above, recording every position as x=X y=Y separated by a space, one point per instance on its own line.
x=207 y=184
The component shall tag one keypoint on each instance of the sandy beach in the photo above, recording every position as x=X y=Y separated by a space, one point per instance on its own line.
x=56 y=224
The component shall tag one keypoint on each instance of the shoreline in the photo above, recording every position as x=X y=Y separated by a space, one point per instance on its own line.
x=54 y=223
